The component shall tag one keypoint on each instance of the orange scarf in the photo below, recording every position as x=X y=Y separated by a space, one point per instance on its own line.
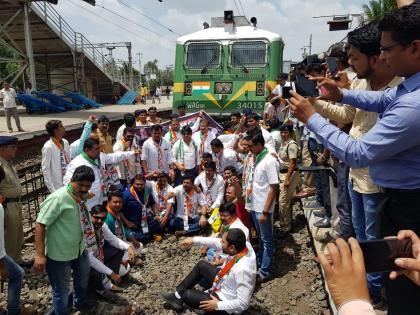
x=226 y=268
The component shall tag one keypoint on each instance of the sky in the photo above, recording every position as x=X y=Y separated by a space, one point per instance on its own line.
x=292 y=19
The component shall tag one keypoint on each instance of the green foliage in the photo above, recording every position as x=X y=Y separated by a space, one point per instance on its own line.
x=10 y=67
x=164 y=77
x=377 y=9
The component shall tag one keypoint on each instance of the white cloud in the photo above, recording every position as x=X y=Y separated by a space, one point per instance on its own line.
x=292 y=19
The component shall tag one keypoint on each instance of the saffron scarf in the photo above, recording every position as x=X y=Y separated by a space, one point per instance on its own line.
x=226 y=268
x=143 y=214
x=64 y=159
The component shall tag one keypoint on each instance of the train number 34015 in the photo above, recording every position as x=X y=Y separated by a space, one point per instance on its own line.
x=252 y=105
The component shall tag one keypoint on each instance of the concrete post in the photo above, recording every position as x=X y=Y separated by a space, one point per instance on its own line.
x=130 y=66
x=28 y=45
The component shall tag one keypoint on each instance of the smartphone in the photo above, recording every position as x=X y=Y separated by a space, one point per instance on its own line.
x=286 y=92
x=379 y=255
x=306 y=87
x=332 y=65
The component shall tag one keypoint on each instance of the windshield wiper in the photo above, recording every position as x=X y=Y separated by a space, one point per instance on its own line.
x=241 y=64
x=204 y=70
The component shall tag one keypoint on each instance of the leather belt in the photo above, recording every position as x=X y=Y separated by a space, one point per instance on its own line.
x=12 y=200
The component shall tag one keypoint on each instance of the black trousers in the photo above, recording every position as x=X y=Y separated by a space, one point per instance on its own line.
x=400 y=210
x=203 y=270
x=112 y=259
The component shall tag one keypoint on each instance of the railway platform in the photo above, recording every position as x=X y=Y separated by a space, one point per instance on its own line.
x=34 y=124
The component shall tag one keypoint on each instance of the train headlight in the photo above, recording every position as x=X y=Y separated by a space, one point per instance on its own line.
x=188 y=88
x=223 y=88
x=260 y=88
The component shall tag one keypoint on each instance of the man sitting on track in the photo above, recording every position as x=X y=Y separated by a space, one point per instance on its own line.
x=232 y=285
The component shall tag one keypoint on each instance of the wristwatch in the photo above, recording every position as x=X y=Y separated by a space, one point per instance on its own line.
x=266 y=213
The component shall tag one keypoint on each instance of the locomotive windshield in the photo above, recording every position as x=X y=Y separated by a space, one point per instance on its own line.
x=203 y=55
x=249 y=54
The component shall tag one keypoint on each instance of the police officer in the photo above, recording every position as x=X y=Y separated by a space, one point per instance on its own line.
x=11 y=190
x=289 y=178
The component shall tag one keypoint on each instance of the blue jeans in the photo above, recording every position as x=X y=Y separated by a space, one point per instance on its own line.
x=59 y=274
x=15 y=280
x=266 y=251
x=154 y=228
x=177 y=224
x=343 y=201
x=322 y=181
x=364 y=222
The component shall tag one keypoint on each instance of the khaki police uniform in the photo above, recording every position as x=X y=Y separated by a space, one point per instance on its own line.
x=11 y=190
x=105 y=141
x=288 y=150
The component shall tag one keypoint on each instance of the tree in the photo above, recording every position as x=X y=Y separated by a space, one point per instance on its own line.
x=151 y=67
x=8 y=68
x=377 y=9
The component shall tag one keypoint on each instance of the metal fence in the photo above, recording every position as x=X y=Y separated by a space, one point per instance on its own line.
x=34 y=192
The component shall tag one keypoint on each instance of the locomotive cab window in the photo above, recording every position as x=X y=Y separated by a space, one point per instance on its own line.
x=249 y=54
x=202 y=55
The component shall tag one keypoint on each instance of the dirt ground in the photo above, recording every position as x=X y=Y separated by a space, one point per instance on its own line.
x=296 y=286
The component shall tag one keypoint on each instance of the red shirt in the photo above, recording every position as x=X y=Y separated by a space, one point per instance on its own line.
x=243 y=215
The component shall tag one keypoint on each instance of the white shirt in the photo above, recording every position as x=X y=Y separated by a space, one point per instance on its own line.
x=238 y=285
x=186 y=154
x=133 y=167
x=273 y=111
x=153 y=188
x=51 y=164
x=150 y=155
x=120 y=132
x=152 y=185
x=167 y=137
x=111 y=158
x=278 y=90
x=214 y=195
x=196 y=200
x=74 y=148
x=276 y=135
x=2 y=249
x=197 y=139
x=8 y=97
x=228 y=157
x=228 y=140
x=114 y=241
x=237 y=224
x=265 y=174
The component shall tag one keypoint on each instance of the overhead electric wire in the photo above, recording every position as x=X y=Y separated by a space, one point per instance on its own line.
x=243 y=11
x=135 y=23
x=117 y=25
x=148 y=17
x=237 y=8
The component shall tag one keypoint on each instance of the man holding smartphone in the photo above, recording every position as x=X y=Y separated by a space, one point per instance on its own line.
x=391 y=148
x=374 y=75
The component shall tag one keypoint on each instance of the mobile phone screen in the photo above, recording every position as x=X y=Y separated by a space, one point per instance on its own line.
x=286 y=92
x=332 y=65
x=379 y=255
x=306 y=87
